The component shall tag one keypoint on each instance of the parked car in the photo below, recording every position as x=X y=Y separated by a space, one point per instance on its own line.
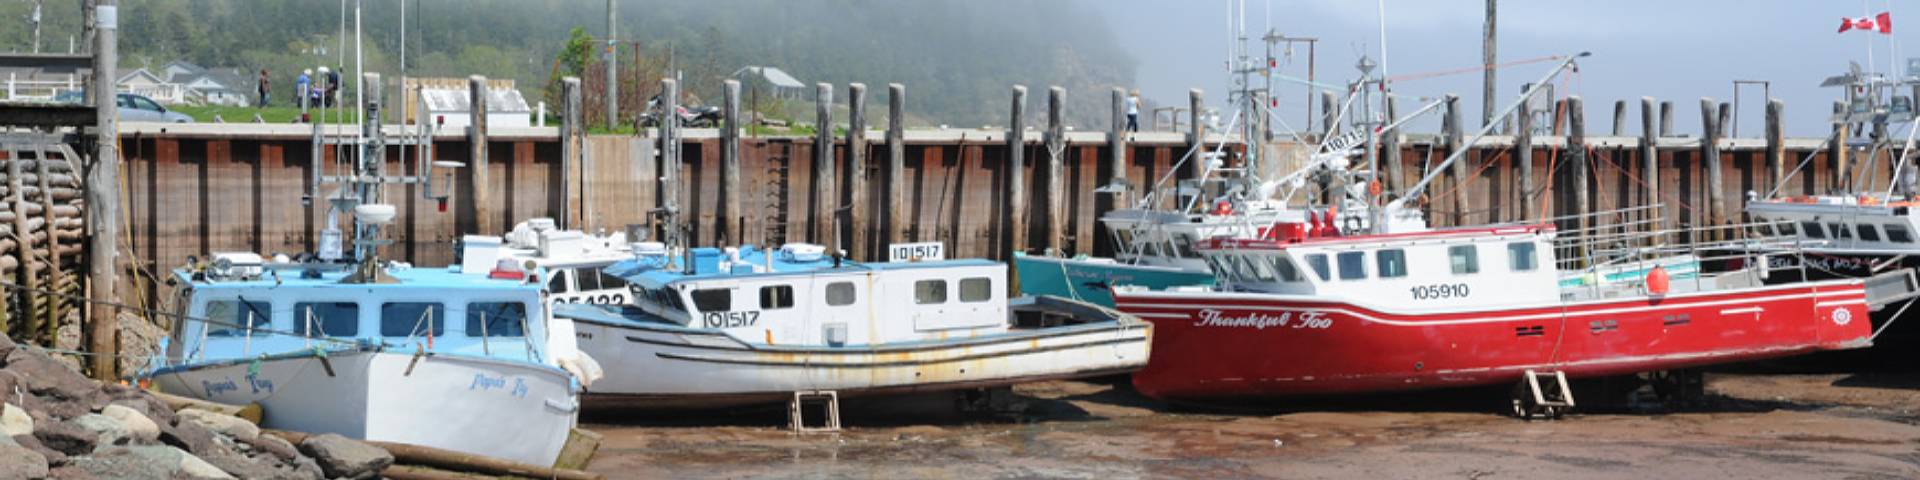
x=133 y=108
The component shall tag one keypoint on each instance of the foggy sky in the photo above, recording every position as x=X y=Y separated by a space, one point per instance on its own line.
x=1672 y=50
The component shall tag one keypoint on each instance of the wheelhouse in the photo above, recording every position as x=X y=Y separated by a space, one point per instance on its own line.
x=1447 y=268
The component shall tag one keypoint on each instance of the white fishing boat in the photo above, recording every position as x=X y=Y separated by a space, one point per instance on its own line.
x=572 y=259
x=717 y=327
x=345 y=342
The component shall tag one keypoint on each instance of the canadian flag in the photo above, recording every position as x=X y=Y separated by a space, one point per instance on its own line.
x=1882 y=23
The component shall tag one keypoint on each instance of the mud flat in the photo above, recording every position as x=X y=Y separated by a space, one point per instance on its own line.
x=1754 y=426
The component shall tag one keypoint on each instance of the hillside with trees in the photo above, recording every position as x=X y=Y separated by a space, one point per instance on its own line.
x=956 y=58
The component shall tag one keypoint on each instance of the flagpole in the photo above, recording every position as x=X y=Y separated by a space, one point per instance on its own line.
x=1866 y=9
x=1893 y=47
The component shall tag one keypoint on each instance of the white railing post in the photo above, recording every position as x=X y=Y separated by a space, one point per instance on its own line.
x=10 y=92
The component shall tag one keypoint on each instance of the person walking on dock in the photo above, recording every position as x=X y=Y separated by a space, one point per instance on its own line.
x=1133 y=111
x=265 y=88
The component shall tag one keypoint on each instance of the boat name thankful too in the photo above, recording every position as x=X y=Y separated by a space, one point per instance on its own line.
x=1260 y=321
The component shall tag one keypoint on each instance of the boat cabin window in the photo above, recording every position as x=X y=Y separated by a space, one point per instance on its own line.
x=610 y=281
x=1288 y=272
x=1813 y=230
x=1841 y=232
x=1213 y=263
x=559 y=282
x=1520 y=256
x=1183 y=245
x=1123 y=237
x=1464 y=258
x=975 y=290
x=1318 y=262
x=929 y=292
x=584 y=279
x=713 y=299
x=1867 y=232
x=1353 y=265
x=406 y=319
x=776 y=297
x=326 y=319
x=1898 y=234
x=841 y=294
x=228 y=318
x=496 y=319
x=1391 y=263
x=1786 y=229
x=1261 y=271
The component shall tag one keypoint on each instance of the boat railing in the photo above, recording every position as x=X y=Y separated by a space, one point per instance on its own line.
x=1699 y=249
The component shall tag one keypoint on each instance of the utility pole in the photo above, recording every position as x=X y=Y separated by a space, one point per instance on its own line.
x=35 y=18
x=103 y=199
x=613 y=77
x=1487 y=59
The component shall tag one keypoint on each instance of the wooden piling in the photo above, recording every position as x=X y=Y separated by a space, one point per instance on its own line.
x=857 y=169
x=897 y=207
x=1710 y=155
x=1056 y=171
x=733 y=222
x=1523 y=157
x=1329 y=113
x=1016 y=170
x=103 y=207
x=1619 y=118
x=571 y=133
x=1390 y=150
x=1650 y=160
x=1196 y=135
x=1117 y=150
x=477 y=157
x=1842 y=179
x=1456 y=135
x=29 y=270
x=1776 y=143
x=1666 y=119
x=1578 y=161
x=823 y=174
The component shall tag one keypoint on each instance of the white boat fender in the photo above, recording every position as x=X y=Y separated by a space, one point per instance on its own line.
x=583 y=367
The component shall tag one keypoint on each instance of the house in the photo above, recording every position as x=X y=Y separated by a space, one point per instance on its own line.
x=780 y=84
x=179 y=69
x=144 y=83
x=219 y=86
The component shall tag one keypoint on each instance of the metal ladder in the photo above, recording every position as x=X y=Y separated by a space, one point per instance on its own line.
x=796 y=411
x=779 y=174
x=1553 y=401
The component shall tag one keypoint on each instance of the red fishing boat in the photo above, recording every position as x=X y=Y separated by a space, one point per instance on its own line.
x=1465 y=307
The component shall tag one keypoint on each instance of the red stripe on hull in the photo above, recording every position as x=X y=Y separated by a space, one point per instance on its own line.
x=1210 y=346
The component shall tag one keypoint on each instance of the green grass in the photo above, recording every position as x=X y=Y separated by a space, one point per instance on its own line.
x=206 y=113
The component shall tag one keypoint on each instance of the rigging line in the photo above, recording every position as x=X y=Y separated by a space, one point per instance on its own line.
x=1472 y=69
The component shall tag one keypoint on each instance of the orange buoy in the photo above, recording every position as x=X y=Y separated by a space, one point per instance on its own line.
x=1373 y=187
x=1657 y=281
x=1223 y=207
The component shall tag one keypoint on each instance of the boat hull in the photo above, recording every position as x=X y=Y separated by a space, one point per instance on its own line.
x=676 y=367
x=453 y=403
x=1222 y=346
x=1091 y=281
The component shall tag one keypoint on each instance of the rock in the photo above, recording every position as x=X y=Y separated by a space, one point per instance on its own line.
x=106 y=430
x=15 y=421
x=139 y=341
x=69 y=472
x=54 y=457
x=6 y=348
x=261 y=467
x=233 y=427
x=45 y=376
x=147 y=462
x=20 y=462
x=152 y=407
x=8 y=380
x=65 y=437
x=342 y=457
x=189 y=436
x=138 y=426
x=277 y=446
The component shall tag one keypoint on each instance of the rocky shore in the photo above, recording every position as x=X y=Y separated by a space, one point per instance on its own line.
x=58 y=424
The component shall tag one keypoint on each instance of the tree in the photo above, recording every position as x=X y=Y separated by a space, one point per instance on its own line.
x=571 y=62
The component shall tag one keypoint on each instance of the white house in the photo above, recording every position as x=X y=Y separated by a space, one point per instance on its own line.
x=144 y=83
x=450 y=108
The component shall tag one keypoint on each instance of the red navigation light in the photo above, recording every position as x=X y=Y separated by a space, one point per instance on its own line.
x=507 y=269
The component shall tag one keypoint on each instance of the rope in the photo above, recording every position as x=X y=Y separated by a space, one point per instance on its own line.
x=1472 y=69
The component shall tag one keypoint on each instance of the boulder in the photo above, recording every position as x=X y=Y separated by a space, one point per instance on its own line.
x=54 y=457
x=69 y=472
x=233 y=427
x=6 y=348
x=15 y=421
x=19 y=462
x=8 y=380
x=45 y=376
x=139 y=427
x=342 y=457
x=153 y=408
x=264 y=466
x=65 y=437
x=276 y=446
x=106 y=431
x=55 y=407
x=189 y=436
x=147 y=462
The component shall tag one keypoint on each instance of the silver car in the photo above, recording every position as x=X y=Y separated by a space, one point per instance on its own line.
x=134 y=108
